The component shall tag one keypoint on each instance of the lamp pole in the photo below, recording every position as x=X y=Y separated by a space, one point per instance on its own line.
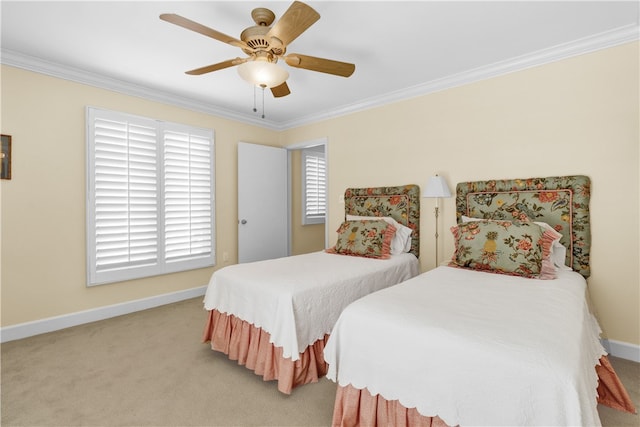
x=436 y=212
x=436 y=188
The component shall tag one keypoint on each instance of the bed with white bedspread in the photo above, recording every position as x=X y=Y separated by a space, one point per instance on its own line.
x=274 y=316
x=299 y=298
x=475 y=348
x=491 y=338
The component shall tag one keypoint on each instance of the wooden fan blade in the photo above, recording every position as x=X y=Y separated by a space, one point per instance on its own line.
x=328 y=66
x=199 y=28
x=280 y=90
x=216 y=67
x=293 y=22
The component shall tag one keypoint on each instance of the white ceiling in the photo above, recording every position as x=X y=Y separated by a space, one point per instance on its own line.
x=400 y=49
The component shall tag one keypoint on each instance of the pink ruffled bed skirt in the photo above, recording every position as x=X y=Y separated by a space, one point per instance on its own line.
x=611 y=392
x=358 y=407
x=250 y=346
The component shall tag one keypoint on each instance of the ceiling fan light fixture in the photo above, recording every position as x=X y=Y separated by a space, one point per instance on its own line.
x=265 y=43
x=263 y=73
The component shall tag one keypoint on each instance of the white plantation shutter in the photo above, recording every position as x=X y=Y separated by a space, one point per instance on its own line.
x=188 y=194
x=126 y=194
x=150 y=199
x=314 y=186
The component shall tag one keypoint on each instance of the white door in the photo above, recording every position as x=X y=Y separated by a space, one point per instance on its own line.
x=263 y=231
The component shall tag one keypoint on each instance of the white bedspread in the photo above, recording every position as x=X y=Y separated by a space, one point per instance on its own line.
x=475 y=348
x=298 y=299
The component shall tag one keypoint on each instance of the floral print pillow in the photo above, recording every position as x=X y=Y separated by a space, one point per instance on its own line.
x=506 y=247
x=365 y=238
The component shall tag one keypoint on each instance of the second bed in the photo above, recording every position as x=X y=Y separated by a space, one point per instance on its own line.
x=275 y=316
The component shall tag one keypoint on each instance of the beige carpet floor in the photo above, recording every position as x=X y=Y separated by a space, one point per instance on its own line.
x=150 y=369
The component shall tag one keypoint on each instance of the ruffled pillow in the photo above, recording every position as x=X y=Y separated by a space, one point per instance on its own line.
x=371 y=239
x=505 y=247
x=401 y=241
x=554 y=255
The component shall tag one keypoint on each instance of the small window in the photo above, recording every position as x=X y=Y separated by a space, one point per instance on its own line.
x=314 y=185
x=150 y=197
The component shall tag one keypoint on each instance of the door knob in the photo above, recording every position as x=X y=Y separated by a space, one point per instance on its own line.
x=244 y=221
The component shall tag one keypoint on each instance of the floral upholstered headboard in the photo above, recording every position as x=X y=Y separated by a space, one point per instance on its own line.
x=400 y=203
x=562 y=202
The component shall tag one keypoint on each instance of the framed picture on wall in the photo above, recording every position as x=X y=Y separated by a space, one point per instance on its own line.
x=5 y=153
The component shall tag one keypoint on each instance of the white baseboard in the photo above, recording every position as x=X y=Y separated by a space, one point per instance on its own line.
x=28 y=329
x=623 y=350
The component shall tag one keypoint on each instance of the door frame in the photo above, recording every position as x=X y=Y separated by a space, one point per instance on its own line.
x=300 y=146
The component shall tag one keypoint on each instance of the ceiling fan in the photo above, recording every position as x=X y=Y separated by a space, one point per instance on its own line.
x=265 y=45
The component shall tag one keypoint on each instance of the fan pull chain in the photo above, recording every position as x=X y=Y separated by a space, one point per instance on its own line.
x=263 y=86
x=255 y=110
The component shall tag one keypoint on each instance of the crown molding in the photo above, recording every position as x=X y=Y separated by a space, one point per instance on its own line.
x=38 y=65
x=582 y=46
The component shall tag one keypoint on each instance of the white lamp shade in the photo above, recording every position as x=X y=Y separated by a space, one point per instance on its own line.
x=436 y=187
x=263 y=73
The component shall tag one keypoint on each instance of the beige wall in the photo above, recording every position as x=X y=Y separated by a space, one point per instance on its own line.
x=576 y=116
x=43 y=206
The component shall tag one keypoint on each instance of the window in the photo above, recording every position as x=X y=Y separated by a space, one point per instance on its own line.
x=150 y=197
x=314 y=185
